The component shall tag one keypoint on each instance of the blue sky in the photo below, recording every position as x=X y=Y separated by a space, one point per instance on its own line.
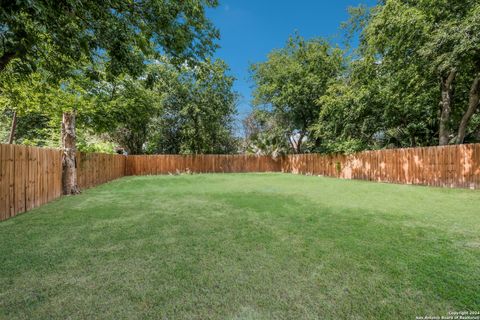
x=251 y=29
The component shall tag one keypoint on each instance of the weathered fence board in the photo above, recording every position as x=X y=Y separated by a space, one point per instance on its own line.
x=31 y=177
x=171 y=164
x=97 y=168
x=448 y=166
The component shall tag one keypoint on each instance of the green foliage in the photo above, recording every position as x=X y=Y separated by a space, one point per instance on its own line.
x=140 y=75
x=390 y=95
x=123 y=111
x=418 y=43
x=373 y=108
x=168 y=110
x=121 y=32
x=198 y=111
x=264 y=135
x=88 y=142
x=115 y=63
x=21 y=93
x=38 y=103
x=290 y=82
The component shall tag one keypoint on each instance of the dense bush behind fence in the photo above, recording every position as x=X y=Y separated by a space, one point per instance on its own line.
x=30 y=176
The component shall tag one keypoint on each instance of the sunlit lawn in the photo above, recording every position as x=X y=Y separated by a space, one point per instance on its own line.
x=244 y=246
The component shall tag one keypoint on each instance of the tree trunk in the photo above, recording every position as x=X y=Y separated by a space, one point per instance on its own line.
x=13 y=128
x=293 y=144
x=473 y=101
x=5 y=59
x=446 y=106
x=69 y=177
x=300 y=143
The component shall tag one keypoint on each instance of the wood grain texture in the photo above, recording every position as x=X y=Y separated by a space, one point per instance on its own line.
x=31 y=177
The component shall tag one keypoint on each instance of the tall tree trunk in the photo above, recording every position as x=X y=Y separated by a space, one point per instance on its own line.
x=69 y=177
x=447 y=86
x=473 y=102
x=13 y=128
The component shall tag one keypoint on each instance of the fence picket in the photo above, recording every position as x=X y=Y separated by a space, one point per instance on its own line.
x=30 y=176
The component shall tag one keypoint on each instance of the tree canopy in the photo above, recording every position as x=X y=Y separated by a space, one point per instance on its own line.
x=413 y=80
x=140 y=75
x=169 y=110
x=122 y=32
x=127 y=70
x=289 y=83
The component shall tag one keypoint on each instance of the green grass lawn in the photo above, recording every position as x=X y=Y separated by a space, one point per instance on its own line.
x=244 y=246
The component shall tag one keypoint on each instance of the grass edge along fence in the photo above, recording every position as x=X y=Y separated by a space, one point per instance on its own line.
x=31 y=176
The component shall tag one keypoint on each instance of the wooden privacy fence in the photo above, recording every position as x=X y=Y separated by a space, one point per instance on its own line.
x=97 y=168
x=30 y=177
x=449 y=166
x=165 y=164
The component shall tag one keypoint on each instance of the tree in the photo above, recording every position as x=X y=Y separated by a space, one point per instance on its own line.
x=264 y=134
x=198 y=110
x=122 y=34
x=375 y=107
x=466 y=37
x=124 y=110
x=411 y=82
x=440 y=38
x=169 y=109
x=290 y=82
x=125 y=32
